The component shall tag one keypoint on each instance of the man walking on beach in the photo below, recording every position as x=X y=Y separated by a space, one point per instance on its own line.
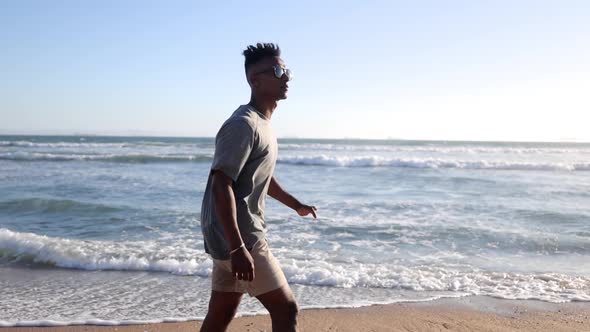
x=232 y=214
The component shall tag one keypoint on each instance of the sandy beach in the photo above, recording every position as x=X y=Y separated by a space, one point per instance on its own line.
x=464 y=314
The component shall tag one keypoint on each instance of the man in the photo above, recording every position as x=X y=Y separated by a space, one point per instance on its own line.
x=232 y=214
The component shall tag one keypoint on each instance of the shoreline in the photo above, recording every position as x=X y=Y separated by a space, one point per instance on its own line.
x=472 y=313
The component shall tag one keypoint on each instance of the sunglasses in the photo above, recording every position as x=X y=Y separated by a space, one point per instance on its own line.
x=279 y=72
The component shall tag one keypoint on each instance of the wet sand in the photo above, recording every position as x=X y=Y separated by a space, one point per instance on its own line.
x=463 y=314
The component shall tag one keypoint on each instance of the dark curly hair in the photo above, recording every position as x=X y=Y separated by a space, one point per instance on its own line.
x=255 y=54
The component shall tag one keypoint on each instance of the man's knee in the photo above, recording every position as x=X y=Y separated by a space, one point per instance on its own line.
x=224 y=314
x=223 y=306
x=294 y=308
x=217 y=319
x=288 y=310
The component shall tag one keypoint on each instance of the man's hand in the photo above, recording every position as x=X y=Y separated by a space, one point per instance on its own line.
x=242 y=265
x=305 y=210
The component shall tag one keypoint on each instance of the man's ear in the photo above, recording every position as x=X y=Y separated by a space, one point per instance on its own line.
x=251 y=80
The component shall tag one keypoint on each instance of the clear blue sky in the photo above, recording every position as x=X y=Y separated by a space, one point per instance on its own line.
x=473 y=70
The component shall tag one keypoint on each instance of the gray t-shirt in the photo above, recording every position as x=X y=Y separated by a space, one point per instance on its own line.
x=246 y=151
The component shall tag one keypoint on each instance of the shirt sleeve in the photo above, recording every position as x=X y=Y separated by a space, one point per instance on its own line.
x=233 y=145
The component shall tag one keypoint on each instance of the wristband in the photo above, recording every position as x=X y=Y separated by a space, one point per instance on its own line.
x=238 y=248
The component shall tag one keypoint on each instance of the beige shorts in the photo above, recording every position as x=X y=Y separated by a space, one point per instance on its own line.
x=268 y=275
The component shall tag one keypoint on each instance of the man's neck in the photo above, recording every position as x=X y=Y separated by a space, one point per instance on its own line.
x=264 y=107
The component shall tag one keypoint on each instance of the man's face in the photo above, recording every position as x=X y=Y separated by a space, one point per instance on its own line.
x=264 y=82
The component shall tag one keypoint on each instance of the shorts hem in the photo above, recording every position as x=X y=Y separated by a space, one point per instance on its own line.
x=262 y=292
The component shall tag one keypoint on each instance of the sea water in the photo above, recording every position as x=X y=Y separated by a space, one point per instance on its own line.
x=105 y=230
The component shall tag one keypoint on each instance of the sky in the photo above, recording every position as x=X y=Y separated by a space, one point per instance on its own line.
x=434 y=70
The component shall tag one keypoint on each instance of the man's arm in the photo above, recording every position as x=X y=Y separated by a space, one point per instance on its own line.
x=277 y=192
x=225 y=208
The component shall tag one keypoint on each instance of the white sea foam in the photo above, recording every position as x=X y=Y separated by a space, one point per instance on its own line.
x=143 y=256
x=101 y=322
x=29 y=144
x=102 y=255
x=99 y=145
x=123 y=158
x=379 y=161
x=466 y=149
x=461 y=149
x=551 y=287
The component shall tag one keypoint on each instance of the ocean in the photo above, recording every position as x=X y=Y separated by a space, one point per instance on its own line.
x=105 y=230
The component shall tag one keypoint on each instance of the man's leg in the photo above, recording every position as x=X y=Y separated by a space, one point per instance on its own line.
x=282 y=307
x=222 y=309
